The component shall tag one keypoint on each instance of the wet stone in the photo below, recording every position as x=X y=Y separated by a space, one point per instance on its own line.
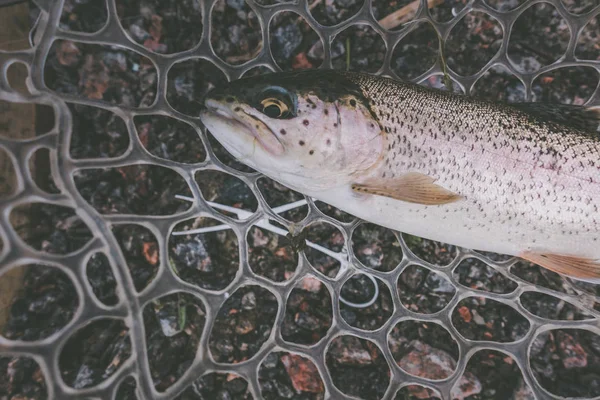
x=308 y=314
x=362 y=49
x=571 y=85
x=433 y=252
x=109 y=74
x=383 y=8
x=50 y=228
x=424 y=291
x=476 y=274
x=207 y=260
x=357 y=367
x=359 y=290
x=45 y=303
x=127 y=390
x=43 y=176
x=376 y=247
x=170 y=139
x=189 y=81
x=539 y=276
x=551 y=307
x=236 y=32
x=467 y=386
x=286 y=38
x=102 y=280
x=83 y=16
x=289 y=376
x=162 y=26
x=140 y=248
x=168 y=318
x=249 y=301
x=472 y=43
x=491 y=320
x=587 y=287
x=8 y=183
x=333 y=12
x=416 y=53
x=423 y=358
x=94 y=353
x=498 y=376
x=238 y=333
x=173 y=326
x=414 y=392
x=271 y=255
x=226 y=189
x=498 y=84
x=335 y=213
x=587 y=43
x=423 y=349
x=97 y=133
x=133 y=189
x=539 y=37
x=328 y=236
x=219 y=386
x=292 y=42
x=21 y=378
x=504 y=5
x=193 y=254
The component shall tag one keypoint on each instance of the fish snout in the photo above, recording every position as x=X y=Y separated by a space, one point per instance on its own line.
x=219 y=108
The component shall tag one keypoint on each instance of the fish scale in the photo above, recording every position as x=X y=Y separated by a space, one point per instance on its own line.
x=513 y=170
x=519 y=179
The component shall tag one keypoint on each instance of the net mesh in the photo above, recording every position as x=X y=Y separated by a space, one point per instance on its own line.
x=456 y=296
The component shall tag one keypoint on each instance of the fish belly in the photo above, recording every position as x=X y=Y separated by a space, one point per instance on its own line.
x=464 y=225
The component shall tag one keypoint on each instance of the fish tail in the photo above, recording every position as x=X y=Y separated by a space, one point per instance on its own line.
x=580 y=268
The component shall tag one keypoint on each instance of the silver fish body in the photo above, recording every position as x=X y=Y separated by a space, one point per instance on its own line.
x=527 y=183
x=526 y=177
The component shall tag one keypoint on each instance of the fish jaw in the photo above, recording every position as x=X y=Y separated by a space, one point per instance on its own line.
x=226 y=125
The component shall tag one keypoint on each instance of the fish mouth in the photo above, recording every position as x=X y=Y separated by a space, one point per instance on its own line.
x=250 y=124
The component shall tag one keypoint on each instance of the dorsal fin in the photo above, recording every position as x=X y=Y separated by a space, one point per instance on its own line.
x=578 y=117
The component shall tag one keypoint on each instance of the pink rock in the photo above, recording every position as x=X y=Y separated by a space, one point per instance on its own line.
x=311 y=284
x=427 y=362
x=303 y=373
x=571 y=352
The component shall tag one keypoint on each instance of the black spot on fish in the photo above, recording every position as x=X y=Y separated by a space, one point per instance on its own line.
x=311 y=152
x=283 y=132
x=305 y=122
x=237 y=109
x=328 y=142
x=326 y=112
x=301 y=143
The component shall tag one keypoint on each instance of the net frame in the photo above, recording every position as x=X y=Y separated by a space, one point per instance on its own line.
x=46 y=352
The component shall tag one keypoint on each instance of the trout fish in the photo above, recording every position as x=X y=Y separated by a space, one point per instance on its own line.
x=521 y=179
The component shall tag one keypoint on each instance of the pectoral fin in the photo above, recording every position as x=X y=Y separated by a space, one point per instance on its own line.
x=412 y=187
x=576 y=267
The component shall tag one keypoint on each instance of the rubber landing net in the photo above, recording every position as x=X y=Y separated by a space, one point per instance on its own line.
x=351 y=309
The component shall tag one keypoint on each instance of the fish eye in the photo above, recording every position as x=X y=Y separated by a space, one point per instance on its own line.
x=276 y=102
x=274 y=108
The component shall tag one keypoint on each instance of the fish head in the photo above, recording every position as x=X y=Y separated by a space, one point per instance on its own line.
x=310 y=130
